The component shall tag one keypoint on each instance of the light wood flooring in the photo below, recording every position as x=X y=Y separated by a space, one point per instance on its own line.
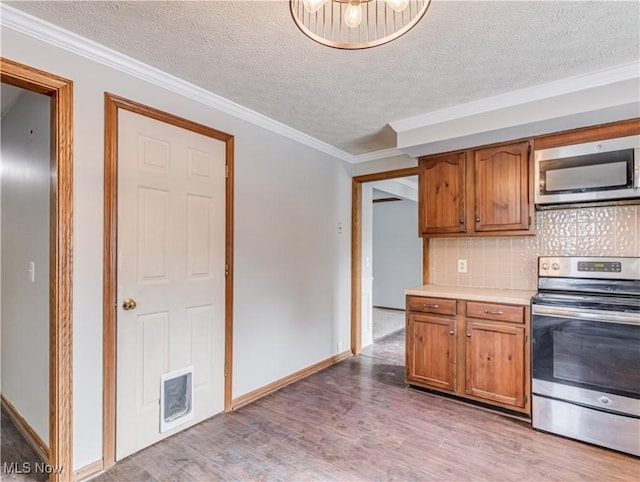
x=357 y=421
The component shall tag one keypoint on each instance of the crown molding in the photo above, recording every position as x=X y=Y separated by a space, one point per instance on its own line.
x=43 y=31
x=46 y=32
x=568 y=85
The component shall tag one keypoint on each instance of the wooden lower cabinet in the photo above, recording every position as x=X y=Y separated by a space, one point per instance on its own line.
x=494 y=355
x=432 y=351
x=479 y=352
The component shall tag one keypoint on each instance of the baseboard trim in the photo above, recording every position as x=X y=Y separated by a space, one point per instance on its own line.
x=389 y=308
x=87 y=471
x=30 y=435
x=283 y=382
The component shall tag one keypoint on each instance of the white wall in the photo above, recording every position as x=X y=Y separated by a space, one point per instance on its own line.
x=366 y=220
x=25 y=162
x=397 y=252
x=291 y=279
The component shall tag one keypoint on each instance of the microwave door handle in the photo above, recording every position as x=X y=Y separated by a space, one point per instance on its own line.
x=636 y=168
x=591 y=315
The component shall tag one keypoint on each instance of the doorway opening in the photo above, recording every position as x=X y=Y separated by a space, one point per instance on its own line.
x=394 y=253
x=24 y=226
x=56 y=173
x=386 y=186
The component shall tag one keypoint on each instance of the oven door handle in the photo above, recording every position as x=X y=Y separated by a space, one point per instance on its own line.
x=591 y=315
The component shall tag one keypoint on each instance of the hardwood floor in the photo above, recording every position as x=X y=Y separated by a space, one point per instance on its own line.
x=17 y=459
x=357 y=421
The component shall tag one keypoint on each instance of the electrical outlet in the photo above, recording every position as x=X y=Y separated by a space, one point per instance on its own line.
x=462 y=266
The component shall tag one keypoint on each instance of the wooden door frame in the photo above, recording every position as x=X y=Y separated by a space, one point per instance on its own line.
x=60 y=91
x=112 y=104
x=356 y=248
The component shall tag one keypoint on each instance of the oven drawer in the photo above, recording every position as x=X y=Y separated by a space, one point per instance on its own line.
x=495 y=312
x=438 y=306
x=616 y=432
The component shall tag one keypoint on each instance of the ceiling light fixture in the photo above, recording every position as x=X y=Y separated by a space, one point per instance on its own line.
x=356 y=24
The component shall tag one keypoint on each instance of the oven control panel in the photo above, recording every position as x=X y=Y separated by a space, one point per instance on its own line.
x=589 y=267
x=600 y=266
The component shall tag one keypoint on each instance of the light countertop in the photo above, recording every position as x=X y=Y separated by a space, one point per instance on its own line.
x=492 y=295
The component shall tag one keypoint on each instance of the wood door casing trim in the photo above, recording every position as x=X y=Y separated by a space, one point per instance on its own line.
x=356 y=247
x=112 y=104
x=109 y=287
x=228 y=303
x=60 y=256
x=356 y=266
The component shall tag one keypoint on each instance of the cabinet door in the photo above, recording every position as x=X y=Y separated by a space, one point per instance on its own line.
x=502 y=188
x=431 y=351
x=495 y=362
x=442 y=187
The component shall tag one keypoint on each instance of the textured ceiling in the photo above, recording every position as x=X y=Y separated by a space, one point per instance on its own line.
x=253 y=54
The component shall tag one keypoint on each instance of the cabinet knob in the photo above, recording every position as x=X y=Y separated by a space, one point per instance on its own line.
x=461 y=220
x=468 y=335
x=477 y=219
x=452 y=332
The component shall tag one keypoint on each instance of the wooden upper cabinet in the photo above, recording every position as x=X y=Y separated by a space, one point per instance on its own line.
x=442 y=190
x=502 y=188
x=481 y=192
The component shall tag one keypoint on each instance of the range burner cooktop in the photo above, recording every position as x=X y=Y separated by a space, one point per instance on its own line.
x=625 y=304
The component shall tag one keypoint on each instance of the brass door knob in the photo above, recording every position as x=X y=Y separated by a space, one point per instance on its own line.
x=129 y=304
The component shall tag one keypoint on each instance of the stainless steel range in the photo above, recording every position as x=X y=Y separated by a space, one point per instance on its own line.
x=586 y=350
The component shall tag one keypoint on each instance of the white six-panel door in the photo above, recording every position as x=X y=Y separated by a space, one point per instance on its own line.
x=171 y=261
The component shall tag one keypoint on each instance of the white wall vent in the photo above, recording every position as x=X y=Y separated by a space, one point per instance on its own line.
x=176 y=398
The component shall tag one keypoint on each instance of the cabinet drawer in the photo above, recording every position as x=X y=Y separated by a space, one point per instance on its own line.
x=497 y=312
x=438 y=306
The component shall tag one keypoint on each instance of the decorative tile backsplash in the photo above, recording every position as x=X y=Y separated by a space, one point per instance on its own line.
x=511 y=262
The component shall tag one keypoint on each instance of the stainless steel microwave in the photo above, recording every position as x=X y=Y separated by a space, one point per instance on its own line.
x=593 y=171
